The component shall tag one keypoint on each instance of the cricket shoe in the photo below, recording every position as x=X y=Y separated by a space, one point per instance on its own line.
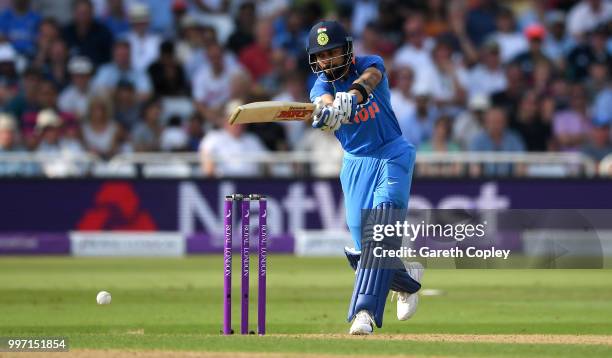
x=407 y=302
x=363 y=324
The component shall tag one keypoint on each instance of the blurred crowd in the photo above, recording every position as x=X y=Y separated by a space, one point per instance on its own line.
x=117 y=76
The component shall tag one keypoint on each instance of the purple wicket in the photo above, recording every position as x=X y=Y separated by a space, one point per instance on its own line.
x=227 y=265
x=263 y=254
x=244 y=249
x=245 y=202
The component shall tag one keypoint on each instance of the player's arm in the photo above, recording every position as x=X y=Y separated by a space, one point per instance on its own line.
x=358 y=94
x=365 y=84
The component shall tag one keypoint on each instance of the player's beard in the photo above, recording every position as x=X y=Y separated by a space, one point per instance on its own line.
x=337 y=73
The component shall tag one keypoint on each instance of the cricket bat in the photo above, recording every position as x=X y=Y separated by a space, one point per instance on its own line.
x=272 y=111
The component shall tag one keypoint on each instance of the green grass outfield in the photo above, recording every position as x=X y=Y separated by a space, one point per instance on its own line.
x=176 y=305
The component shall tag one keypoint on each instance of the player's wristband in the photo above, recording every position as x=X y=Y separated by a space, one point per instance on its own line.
x=362 y=90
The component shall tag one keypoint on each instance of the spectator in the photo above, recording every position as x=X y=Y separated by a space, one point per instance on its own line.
x=292 y=37
x=557 y=43
x=415 y=51
x=173 y=137
x=207 y=37
x=127 y=109
x=447 y=78
x=50 y=135
x=281 y=66
x=51 y=140
x=146 y=134
x=534 y=57
x=9 y=144
x=582 y=56
x=8 y=131
x=230 y=142
x=8 y=70
x=144 y=45
x=56 y=69
x=488 y=76
x=402 y=99
x=121 y=70
x=167 y=73
x=372 y=43
x=46 y=99
x=190 y=44
x=211 y=85
x=529 y=123
x=496 y=137
x=115 y=19
x=74 y=99
x=101 y=134
x=257 y=57
x=511 y=41
x=25 y=99
x=470 y=123
x=587 y=15
x=7 y=91
x=598 y=79
x=195 y=131
x=480 y=20
x=510 y=97
x=48 y=34
x=86 y=36
x=602 y=105
x=417 y=127
x=20 y=25
x=570 y=125
x=598 y=146
x=244 y=29
x=441 y=138
x=440 y=143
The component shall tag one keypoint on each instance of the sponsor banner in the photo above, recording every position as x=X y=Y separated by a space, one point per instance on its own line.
x=127 y=244
x=23 y=243
x=322 y=242
x=194 y=207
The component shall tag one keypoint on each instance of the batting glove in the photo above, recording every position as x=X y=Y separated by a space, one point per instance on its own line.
x=326 y=117
x=347 y=105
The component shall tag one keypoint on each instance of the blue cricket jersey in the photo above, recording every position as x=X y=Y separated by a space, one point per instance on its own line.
x=375 y=124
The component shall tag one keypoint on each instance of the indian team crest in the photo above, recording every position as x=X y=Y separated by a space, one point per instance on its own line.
x=322 y=39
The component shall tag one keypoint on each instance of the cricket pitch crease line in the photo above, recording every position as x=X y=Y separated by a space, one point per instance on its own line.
x=567 y=339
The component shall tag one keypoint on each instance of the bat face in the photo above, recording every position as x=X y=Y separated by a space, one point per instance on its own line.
x=272 y=111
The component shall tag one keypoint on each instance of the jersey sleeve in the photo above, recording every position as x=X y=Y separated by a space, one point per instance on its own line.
x=320 y=88
x=362 y=63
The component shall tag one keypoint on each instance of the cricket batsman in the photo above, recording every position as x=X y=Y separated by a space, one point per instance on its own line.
x=352 y=95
